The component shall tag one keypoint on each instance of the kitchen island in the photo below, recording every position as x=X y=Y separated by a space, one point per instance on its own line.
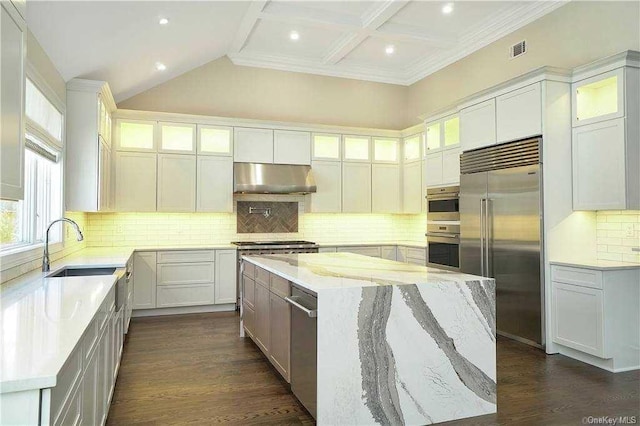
x=396 y=343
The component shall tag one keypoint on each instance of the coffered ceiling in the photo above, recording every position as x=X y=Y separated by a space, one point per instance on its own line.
x=396 y=42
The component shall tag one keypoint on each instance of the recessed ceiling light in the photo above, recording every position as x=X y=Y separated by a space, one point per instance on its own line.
x=293 y=35
x=447 y=8
x=390 y=49
x=163 y=21
x=160 y=66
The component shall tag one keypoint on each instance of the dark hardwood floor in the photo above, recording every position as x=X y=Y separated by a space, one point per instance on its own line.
x=194 y=369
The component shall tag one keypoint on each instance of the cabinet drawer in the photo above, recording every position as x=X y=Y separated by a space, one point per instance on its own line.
x=90 y=339
x=249 y=269
x=262 y=277
x=185 y=273
x=66 y=384
x=577 y=276
x=417 y=253
x=248 y=319
x=185 y=295
x=248 y=291
x=280 y=286
x=186 y=256
x=578 y=318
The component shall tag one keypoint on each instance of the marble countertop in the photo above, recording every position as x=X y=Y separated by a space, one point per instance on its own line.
x=602 y=265
x=324 y=271
x=417 y=244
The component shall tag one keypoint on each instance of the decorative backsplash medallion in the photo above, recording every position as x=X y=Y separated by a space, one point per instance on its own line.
x=262 y=217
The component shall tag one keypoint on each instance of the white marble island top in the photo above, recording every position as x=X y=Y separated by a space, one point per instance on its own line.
x=396 y=343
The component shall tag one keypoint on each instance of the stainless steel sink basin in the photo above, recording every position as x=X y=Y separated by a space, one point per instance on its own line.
x=81 y=272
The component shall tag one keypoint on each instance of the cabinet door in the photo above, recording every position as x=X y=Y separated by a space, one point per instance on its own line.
x=599 y=172
x=89 y=391
x=356 y=148
x=226 y=262
x=386 y=150
x=478 y=125
x=388 y=252
x=356 y=187
x=451 y=166
x=291 y=147
x=280 y=333
x=252 y=145
x=599 y=98
x=326 y=147
x=262 y=326
x=412 y=150
x=385 y=188
x=214 y=184
x=433 y=139
x=178 y=138
x=578 y=318
x=144 y=280
x=248 y=291
x=433 y=169
x=101 y=384
x=401 y=254
x=519 y=113
x=104 y=178
x=215 y=140
x=12 y=118
x=176 y=183
x=136 y=182
x=175 y=295
x=412 y=187
x=328 y=197
x=249 y=320
x=136 y=135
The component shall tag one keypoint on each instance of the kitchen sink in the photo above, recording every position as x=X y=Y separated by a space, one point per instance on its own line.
x=81 y=272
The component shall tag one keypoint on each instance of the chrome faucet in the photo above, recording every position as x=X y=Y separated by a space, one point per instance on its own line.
x=45 y=259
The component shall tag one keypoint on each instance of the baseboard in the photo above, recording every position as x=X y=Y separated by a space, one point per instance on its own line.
x=228 y=307
x=605 y=364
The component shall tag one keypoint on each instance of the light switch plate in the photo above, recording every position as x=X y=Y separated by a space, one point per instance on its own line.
x=628 y=230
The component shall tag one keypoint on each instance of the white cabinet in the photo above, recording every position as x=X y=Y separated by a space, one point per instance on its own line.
x=12 y=102
x=252 y=145
x=385 y=188
x=136 y=135
x=88 y=165
x=412 y=148
x=214 y=184
x=144 y=280
x=135 y=181
x=386 y=150
x=177 y=137
x=602 y=96
x=291 y=147
x=442 y=133
x=215 y=140
x=443 y=167
x=371 y=251
x=478 y=125
x=328 y=197
x=326 y=146
x=356 y=148
x=225 y=279
x=356 y=187
x=519 y=113
x=176 y=183
x=412 y=187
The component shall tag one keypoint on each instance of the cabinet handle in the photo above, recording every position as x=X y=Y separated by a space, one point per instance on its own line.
x=309 y=312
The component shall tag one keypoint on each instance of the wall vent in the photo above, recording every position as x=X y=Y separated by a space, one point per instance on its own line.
x=518 y=49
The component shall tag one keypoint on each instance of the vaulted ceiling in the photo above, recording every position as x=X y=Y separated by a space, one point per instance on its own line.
x=396 y=42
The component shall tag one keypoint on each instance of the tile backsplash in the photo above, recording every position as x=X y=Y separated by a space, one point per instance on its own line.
x=617 y=233
x=267 y=216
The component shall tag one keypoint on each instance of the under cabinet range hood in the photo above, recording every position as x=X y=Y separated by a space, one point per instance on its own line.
x=258 y=178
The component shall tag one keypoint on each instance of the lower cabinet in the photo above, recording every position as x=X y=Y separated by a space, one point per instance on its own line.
x=144 y=280
x=280 y=334
x=262 y=310
x=225 y=281
x=365 y=251
x=185 y=284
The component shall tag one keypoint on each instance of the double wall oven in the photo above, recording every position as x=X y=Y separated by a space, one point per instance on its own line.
x=443 y=227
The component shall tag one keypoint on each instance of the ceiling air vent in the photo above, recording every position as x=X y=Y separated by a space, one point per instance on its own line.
x=518 y=49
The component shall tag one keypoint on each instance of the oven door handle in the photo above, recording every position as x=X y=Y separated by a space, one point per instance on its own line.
x=434 y=234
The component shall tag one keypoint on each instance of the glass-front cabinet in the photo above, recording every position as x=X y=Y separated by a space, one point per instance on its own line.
x=598 y=98
x=442 y=133
x=386 y=150
x=178 y=138
x=136 y=135
x=325 y=146
x=412 y=146
x=357 y=148
x=215 y=140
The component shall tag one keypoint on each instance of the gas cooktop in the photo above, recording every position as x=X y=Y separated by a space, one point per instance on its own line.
x=273 y=243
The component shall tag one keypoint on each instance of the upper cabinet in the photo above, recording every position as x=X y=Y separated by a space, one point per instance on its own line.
x=88 y=165
x=386 y=150
x=442 y=133
x=215 y=140
x=411 y=148
x=478 y=125
x=177 y=138
x=598 y=98
x=136 y=135
x=291 y=147
x=12 y=102
x=356 y=148
x=326 y=147
x=252 y=145
x=606 y=141
x=519 y=113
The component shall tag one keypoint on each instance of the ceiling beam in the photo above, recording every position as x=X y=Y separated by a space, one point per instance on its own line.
x=247 y=25
x=400 y=32
x=377 y=15
x=298 y=13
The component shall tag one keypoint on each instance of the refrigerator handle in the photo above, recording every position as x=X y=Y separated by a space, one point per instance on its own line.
x=487 y=236
x=481 y=237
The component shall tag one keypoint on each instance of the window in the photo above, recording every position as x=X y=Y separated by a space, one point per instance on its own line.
x=24 y=223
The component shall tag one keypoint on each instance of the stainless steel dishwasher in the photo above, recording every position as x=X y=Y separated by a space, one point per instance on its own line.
x=304 y=312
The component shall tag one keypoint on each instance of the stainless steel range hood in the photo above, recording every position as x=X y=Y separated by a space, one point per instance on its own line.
x=258 y=178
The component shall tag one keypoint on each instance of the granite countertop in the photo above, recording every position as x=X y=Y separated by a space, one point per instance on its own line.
x=324 y=271
x=602 y=265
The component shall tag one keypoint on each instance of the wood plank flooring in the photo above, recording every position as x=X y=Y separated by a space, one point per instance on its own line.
x=194 y=369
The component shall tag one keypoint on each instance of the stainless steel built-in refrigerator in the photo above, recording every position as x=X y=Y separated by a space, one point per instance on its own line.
x=500 y=231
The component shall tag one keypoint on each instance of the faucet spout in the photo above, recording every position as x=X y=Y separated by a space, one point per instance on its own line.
x=45 y=258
